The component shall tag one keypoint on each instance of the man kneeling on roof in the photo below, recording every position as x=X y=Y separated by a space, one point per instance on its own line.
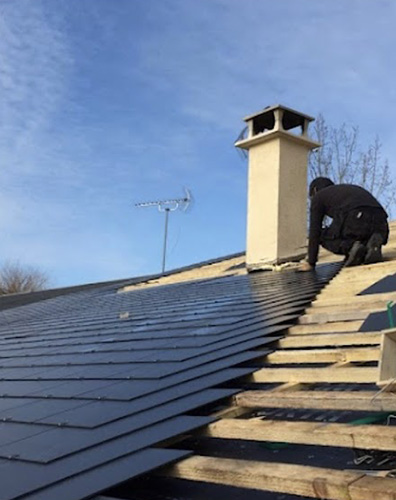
x=359 y=227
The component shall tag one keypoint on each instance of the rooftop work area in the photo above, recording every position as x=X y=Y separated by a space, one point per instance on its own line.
x=311 y=421
x=206 y=368
x=226 y=378
x=198 y=250
x=93 y=381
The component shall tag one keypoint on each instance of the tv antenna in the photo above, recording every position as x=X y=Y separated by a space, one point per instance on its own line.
x=242 y=135
x=167 y=206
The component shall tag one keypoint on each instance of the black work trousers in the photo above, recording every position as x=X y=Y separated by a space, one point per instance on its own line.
x=357 y=225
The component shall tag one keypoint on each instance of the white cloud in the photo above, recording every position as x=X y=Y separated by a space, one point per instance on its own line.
x=233 y=58
x=35 y=67
x=110 y=103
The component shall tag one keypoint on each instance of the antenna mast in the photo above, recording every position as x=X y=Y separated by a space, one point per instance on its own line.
x=167 y=206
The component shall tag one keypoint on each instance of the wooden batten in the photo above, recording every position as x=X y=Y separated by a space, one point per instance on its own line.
x=377 y=299
x=334 y=316
x=336 y=327
x=334 y=355
x=306 y=481
x=231 y=412
x=374 y=437
x=320 y=400
x=330 y=339
x=370 y=488
x=316 y=375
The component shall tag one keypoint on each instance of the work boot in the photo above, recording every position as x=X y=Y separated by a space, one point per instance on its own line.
x=356 y=255
x=374 y=253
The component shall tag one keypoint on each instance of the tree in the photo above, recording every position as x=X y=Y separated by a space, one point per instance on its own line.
x=344 y=160
x=15 y=278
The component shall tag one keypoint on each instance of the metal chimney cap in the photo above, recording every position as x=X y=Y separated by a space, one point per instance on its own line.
x=291 y=117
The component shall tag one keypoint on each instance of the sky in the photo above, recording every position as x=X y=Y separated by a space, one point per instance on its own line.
x=107 y=103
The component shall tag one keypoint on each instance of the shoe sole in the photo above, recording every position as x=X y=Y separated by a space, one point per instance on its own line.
x=374 y=253
x=356 y=255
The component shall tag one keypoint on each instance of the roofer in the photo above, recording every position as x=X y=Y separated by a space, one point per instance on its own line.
x=359 y=224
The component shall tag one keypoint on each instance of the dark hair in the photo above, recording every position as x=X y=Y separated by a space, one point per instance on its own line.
x=318 y=184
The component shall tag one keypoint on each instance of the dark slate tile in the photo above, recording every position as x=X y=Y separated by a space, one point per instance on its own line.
x=54 y=443
x=11 y=432
x=7 y=404
x=106 y=475
x=27 y=388
x=37 y=476
x=72 y=361
x=130 y=389
x=102 y=412
x=39 y=409
x=385 y=285
x=378 y=320
x=50 y=388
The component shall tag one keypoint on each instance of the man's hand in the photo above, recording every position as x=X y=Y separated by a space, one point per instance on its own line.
x=305 y=266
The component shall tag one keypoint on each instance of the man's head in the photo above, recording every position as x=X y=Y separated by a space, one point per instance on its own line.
x=318 y=184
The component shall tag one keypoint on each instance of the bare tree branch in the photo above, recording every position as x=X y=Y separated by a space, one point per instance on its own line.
x=344 y=160
x=15 y=278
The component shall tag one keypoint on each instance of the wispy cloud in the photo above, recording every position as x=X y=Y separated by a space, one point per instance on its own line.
x=35 y=67
x=35 y=71
x=106 y=103
x=230 y=58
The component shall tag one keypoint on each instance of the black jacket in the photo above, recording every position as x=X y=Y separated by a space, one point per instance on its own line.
x=335 y=202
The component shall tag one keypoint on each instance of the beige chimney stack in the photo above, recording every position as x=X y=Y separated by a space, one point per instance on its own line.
x=277 y=185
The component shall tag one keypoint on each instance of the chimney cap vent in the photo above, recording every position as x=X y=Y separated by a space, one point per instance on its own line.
x=292 y=117
x=275 y=119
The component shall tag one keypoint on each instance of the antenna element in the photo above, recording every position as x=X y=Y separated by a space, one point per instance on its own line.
x=167 y=206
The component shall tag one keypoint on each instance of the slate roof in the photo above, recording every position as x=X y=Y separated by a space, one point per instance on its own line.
x=208 y=268
x=92 y=380
x=310 y=421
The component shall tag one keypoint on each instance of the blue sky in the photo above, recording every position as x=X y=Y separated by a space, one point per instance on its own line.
x=105 y=103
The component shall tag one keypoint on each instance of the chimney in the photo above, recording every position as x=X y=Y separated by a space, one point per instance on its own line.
x=277 y=185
